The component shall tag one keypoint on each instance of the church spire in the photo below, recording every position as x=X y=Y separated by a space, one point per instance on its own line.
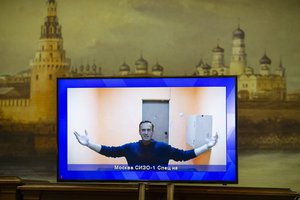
x=51 y=27
x=51 y=8
x=280 y=63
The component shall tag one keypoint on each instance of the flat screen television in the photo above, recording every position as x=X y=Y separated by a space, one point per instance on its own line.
x=186 y=113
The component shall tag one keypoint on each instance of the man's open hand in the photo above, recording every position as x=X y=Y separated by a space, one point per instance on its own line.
x=212 y=141
x=82 y=139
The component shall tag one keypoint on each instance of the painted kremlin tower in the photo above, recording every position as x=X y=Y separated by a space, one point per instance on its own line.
x=48 y=63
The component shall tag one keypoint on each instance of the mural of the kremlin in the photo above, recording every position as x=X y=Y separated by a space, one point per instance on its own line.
x=257 y=41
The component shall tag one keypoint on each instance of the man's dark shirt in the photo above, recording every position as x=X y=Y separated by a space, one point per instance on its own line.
x=155 y=153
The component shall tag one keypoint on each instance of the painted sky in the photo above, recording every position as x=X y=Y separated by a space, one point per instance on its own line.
x=177 y=33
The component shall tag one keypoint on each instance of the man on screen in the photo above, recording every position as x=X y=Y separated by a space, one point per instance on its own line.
x=146 y=151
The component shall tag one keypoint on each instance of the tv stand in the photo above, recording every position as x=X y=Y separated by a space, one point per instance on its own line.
x=142 y=192
x=170 y=191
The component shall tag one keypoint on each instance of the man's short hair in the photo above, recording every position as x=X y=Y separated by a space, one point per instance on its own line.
x=146 y=121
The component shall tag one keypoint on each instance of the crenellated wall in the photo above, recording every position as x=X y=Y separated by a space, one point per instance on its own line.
x=14 y=103
x=15 y=109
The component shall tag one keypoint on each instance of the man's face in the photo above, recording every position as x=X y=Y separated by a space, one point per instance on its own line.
x=146 y=131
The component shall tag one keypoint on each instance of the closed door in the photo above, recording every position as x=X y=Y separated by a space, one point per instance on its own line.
x=157 y=111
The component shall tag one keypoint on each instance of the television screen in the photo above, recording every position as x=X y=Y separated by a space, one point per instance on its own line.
x=158 y=129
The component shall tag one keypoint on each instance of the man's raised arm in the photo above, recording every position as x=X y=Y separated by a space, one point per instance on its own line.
x=85 y=141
